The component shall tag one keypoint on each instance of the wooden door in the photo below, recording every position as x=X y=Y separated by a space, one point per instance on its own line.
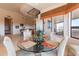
x=7 y=25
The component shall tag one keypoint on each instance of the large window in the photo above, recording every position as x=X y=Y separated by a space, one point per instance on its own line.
x=60 y=28
x=75 y=28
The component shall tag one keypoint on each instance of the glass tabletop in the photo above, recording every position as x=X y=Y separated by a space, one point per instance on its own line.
x=47 y=45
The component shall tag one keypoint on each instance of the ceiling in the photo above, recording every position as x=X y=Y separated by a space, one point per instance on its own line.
x=16 y=7
x=24 y=7
x=39 y=6
x=43 y=7
x=11 y=6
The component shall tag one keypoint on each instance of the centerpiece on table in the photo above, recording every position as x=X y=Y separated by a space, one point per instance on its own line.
x=38 y=38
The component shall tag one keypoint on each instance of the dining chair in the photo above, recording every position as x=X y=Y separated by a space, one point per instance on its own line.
x=55 y=37
x=9 y=46
x=27 y=34
x=62 y=47
x=57 y=52
x=52 y=36
x=11 y=50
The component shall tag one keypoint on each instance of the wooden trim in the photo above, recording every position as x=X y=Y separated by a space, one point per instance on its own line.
x=61 y=10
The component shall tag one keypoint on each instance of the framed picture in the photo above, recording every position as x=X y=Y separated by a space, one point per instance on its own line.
x=17 y=27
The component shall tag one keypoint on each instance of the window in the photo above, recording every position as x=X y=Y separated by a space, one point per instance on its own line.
x=59 y=28
x=75 y=28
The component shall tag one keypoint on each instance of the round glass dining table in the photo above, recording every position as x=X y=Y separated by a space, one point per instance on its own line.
x=46 y=46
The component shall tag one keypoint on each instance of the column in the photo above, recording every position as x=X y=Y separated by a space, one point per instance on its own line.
x=39 y=23
x=70 y=20
x=53 y=25
x=67 y=24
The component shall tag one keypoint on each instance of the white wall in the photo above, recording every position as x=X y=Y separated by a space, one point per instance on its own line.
x=16 y=19
x=75 y=13
x=1 y=26
x=53 y=25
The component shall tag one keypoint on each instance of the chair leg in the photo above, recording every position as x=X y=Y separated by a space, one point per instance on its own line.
x=56 y=52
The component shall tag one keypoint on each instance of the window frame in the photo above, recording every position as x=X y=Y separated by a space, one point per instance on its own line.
x=56 y=28
x=75 y=27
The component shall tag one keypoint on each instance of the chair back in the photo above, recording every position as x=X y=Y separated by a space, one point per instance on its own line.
x=27 y=34
x=9 y=46
x=61 y=48
x=52 y=36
